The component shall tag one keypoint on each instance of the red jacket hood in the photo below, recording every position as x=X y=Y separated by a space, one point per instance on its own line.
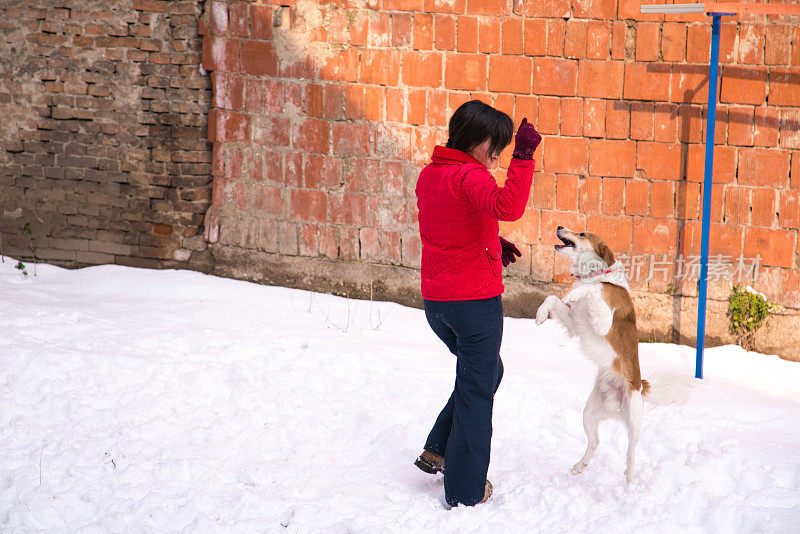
x=451 y=156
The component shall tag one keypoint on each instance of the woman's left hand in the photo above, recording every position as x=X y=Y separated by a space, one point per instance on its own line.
x=510 y=252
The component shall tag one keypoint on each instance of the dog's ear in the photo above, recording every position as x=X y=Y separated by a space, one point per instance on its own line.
x=604 y=252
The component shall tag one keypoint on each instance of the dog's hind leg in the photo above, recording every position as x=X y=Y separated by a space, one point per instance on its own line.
x=634 y=424
x=593 y=414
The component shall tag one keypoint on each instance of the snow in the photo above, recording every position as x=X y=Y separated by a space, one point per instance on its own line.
x=154 y=401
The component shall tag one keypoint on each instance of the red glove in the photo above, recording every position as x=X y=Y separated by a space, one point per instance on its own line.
x=509 y=252
x=526 y=141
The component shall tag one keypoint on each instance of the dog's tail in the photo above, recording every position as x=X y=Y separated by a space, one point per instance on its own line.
x=667 y=389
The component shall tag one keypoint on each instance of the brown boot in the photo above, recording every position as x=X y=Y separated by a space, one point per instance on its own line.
x=487 y=492
x=430 y=462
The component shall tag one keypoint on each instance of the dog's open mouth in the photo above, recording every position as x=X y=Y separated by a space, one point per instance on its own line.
x=567 y=242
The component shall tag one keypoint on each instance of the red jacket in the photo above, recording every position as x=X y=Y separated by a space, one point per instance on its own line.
x=459 y=205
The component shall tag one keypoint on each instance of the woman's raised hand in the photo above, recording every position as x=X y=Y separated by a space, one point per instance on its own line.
x=526 y=141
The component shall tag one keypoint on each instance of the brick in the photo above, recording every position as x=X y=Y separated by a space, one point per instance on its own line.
x=510 y=74
x=489 y=34
x=535 y=37
x=764 y=211
x=334 y=101
x=342 y=67
x=261 y=22
x=594 y=118
x=259 y=58
x=741 y=120
x=724 y=164
x=744 y=85
x=616 y=232
x=549 y=115
x=157 y=6
x=230 y=126
x=662 y=199
x=417 y=106
x=555 y=37
x=548 y=8
x=654 y=236
x=567 y=192
x=374 y=102
x=766 y=127
x=647 y=39
x=565 y=155
x=698 y=43
x=351 y=139
x=751 y=44
x=555 y=76
x=401 y=29
x=618 y=37
x=595 y=9
x=313 y=135
x=403 y=5
x=776 y=50
x=488 y=7
x=575 y=35
x=526 y=107
x=220 y=54
x=513 y=41
x=795 y=182
x=467 y=40
x=315 y=100
x=776 y=247
x=737 y=205
x=589 y=195
x=600 y=79
x=673 y=41
x=642 y=120
x=422 y=69
x=524 y=230
x=445 y=6
x=612 y=158
x=613 y=196
x=380 y=67
x=598 y=40
x=646 y=81
x=347 y=208
x=636 y=197
x=445 y=32
x=268 y=199
x=784 y=87
x=465 y=72
x=309 y=205
x=544 y=190
x=617 y=119
x=789 y=214
x=659 y=161
x=228 y=91
x=571 y=116
x=763 y=167
x=395 y=105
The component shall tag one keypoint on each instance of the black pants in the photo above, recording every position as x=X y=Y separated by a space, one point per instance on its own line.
x=473 y=331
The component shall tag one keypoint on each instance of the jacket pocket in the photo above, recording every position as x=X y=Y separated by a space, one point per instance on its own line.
x=495 y=263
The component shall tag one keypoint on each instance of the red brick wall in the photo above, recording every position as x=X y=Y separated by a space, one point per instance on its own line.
x=102 y=132
x=321 y=123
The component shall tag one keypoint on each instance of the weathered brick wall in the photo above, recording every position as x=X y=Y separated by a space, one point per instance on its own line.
x=103 y=120
x=324 y=112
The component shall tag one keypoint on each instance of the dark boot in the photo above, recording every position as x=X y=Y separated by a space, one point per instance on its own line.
x=430 y=462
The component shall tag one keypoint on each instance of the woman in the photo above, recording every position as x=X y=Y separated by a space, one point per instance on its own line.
x=462 y=260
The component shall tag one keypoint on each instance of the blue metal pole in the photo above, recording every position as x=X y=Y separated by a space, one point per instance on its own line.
x=707 y=180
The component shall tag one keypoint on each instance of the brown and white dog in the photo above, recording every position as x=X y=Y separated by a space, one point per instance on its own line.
x=599 y=312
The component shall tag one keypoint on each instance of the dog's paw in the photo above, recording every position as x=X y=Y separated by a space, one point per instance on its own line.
x=578 y=468
x=543 y=313
x=630 y=474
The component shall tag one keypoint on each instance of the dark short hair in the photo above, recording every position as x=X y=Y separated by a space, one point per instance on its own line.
x=474 y=122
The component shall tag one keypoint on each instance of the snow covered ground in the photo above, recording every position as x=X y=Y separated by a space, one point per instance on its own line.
x=147 y=401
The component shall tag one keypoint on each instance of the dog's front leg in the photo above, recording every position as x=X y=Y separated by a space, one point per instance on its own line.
x=555 y=307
